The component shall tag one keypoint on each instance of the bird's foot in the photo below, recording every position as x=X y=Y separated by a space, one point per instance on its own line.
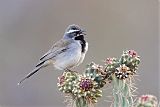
x=68 y=70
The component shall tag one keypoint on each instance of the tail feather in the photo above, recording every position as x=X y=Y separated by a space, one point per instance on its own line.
x=42 y=65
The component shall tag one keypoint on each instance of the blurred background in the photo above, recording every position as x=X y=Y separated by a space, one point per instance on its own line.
x=28 y=28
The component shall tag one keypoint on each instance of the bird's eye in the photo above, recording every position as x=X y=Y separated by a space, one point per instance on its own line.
x=74 y=28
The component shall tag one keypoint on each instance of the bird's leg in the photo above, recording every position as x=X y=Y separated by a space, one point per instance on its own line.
x=68 y=70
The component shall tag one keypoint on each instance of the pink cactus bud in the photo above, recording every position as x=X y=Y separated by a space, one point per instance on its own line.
x=132 y=53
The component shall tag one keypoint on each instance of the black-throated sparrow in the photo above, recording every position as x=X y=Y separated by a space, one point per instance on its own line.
x=66 y=53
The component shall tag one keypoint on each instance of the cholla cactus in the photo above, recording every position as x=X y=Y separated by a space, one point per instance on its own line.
x=121 y=72
x=147 y=101
x=66 y=81
x=86 y=88
x=128 y=64
x=111 y=65
x=123 y=68
x=96 y=73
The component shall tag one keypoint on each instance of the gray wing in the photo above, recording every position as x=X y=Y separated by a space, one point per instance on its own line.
x=53 y=48
x=56 y=49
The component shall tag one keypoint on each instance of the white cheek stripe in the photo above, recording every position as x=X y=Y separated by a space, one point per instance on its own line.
x=71 y=31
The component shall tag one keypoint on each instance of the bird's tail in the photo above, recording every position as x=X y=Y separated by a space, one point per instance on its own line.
x=38 y=67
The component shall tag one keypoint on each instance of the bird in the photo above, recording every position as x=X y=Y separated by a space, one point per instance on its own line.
x=66 y=53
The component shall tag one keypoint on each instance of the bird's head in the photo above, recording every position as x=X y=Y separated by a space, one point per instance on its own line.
x=74 y=31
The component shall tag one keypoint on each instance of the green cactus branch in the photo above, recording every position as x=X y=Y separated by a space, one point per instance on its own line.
x=85 y=89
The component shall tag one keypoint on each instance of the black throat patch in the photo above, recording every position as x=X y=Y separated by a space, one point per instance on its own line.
x=82 y=41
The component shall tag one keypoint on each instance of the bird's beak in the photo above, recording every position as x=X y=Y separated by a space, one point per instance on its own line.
x=83 y=32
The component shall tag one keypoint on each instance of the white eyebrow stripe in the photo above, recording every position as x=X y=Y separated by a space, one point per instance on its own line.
x=71 y=31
